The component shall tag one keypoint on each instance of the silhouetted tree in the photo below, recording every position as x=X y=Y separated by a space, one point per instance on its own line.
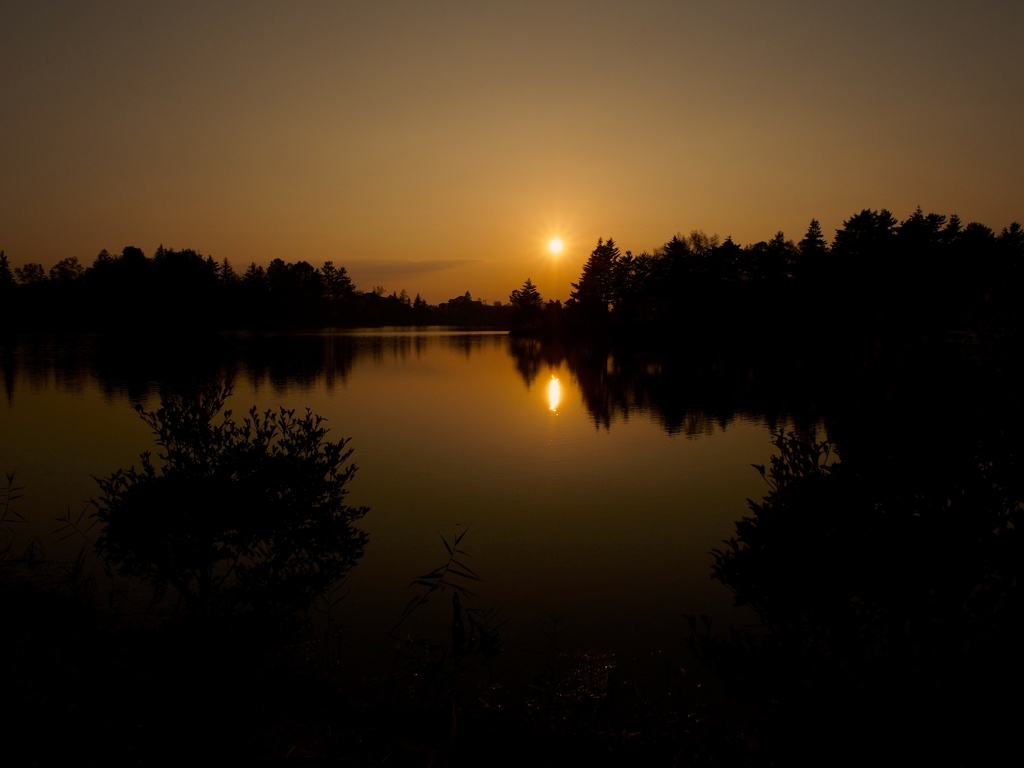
x=921 y=269
x=703 y=247
x=103 y=261
x=226 y=273
x=337 y=284
x=134 y=266
x=977 y=235
x=772 y=261
x=1011 y=243
x=254 y=275
x=296 y=292
x=677 y=259
x=180 y=273
x=594 y=296
x=919 y=237
x=865 y=261
x=308 y=282
x=278 y=279
x=952 y=229
x=865 y=243
x=30 y=274
x=237 y=518
x=527 y=305
x=66 y=270
x=8 y=311
x=727 y=262
x=420 y=310
x=635 y=288
x=811 y=265
x=672 y=277
x=6 y=275
x=890 y=604
x=813 y=243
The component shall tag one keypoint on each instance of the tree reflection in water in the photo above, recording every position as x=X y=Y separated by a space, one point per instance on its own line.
x=887 y=579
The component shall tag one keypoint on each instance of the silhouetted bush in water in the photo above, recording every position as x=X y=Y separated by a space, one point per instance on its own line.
x=236 y=518
x=891 y=613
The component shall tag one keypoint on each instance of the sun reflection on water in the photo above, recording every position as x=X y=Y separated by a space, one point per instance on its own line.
x=554 y=394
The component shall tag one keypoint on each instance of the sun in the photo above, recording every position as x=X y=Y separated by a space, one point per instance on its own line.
x=555 y=246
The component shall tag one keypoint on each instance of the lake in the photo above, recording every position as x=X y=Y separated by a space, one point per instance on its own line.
x=587 y=491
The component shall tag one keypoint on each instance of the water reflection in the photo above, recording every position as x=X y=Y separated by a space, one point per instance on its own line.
x=446 y=428
x=302 y=362
x=554 y=394
x=871 y=583
x=686 y=392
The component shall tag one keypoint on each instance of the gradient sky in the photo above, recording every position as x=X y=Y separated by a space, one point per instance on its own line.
x=437 y=146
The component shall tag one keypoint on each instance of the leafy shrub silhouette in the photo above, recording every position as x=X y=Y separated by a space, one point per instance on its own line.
x=238 y=518
x=890 y=608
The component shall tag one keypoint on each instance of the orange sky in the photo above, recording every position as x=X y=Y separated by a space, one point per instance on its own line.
x=437 y=146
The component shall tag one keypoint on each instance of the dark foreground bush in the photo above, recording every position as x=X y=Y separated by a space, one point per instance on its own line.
x=235 y=518
x=890 y=609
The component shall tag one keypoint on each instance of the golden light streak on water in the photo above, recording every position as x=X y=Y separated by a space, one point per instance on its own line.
x=554 y=394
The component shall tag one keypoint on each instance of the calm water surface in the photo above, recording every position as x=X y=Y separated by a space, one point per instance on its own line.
x=602 y=516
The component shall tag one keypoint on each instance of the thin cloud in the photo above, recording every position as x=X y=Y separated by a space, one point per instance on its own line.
x=407 y=266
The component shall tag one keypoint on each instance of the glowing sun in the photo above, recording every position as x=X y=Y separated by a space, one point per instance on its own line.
x=555 y=246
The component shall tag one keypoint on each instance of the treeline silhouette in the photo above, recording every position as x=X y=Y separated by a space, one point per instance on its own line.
x=183 y=290
x=878 y=278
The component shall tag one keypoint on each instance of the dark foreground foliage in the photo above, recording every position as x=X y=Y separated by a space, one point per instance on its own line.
x=890 y=624
x=891 y=612
x=235 y=518
x=117 y=691
x=887 y=586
